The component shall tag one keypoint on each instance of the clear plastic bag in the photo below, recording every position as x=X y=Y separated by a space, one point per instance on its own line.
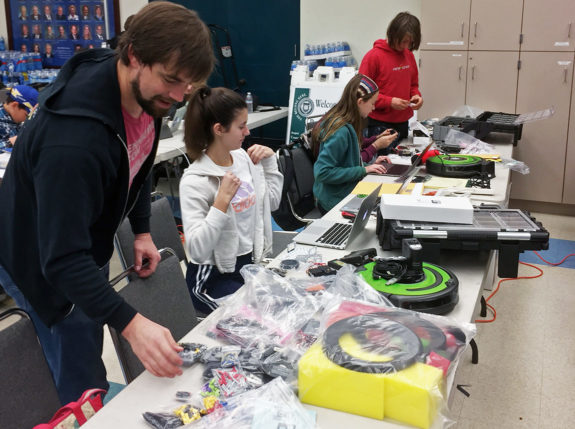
x=515 y=165
x=383 y=362
x=466 y=111
x=273 y=405
x=468 y=143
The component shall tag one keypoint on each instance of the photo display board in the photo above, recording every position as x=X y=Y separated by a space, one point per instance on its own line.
x=57 y=29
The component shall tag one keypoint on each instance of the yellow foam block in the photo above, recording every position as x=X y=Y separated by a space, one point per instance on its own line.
x=410 y=396
x=413 y=395
x=325 y=384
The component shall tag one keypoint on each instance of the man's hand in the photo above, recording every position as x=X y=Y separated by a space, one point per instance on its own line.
x=154 y=346
x=144 y=248
x=416 y=102
x=399 y=103
x=12 y=140
x=258 y=152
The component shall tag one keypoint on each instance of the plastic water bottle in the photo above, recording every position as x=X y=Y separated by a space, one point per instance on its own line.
x=2 y=44
x=250 y=102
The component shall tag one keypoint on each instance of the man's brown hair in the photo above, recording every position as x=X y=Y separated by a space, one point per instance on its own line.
x=167 y=33
x=404 y=24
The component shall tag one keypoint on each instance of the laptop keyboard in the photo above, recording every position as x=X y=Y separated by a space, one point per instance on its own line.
x=336 y=234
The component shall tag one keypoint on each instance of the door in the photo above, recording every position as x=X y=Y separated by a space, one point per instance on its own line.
x=548 y=25
x=495 y=25
x=569 y=187
x=544 y=80
x=445 y=24
x=442 y=76
x=492 y=80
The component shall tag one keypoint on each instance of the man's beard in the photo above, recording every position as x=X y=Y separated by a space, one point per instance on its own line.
x=148 y=104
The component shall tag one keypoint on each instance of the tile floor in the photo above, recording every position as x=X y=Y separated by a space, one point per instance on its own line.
x=526 y=372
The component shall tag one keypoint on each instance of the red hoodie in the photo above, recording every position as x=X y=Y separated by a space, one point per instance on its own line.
x=396 y=75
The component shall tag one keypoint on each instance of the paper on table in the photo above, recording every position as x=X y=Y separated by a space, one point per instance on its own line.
x=386 y=188
x=445 y=182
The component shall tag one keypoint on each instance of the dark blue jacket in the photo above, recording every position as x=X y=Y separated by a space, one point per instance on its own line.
x=65 y=192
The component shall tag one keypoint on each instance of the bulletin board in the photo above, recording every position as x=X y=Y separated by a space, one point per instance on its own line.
x=57 y=29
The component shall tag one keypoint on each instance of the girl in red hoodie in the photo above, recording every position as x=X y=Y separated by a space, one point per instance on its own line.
x=391 y=64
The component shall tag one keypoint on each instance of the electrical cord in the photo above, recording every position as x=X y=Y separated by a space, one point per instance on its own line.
x=554 y=263
x=497 y=289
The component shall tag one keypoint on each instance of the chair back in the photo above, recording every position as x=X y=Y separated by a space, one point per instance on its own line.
x=28 y=394
x=164 y=298
x=162 y=227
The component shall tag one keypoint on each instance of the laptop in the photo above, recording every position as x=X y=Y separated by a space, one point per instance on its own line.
x=401 y=170
x=337 y=235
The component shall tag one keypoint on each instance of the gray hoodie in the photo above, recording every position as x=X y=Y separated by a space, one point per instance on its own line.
x=211 y=235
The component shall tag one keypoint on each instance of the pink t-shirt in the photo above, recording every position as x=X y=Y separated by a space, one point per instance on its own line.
x=140 y=134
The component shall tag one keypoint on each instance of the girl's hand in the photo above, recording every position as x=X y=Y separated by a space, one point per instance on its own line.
x=258 y=152
x=384 y=139
x=382 y=159
x=375 y=169
x=228 y=188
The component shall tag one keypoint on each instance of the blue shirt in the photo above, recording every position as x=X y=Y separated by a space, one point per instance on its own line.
x=8 y=128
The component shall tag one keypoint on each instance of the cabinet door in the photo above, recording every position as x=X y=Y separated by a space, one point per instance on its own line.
x=492 y=80
x=442 y=76
x=569 y=182
x=548 y=25
x=445 y=24
x=495 y=25
x=544 y=80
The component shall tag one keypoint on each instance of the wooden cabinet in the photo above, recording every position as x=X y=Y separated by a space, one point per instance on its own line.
x=548 y=25
x=545 y=80
x=445 y=24
x=495 y=25
x=492 y=80
x=442 y=77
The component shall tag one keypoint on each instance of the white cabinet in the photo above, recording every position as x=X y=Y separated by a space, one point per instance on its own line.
x=492 y=80
x=495 y=25
x=545 y=80
x=442 y=77
x=569 y=187
x=548 y=25
x=445 y=24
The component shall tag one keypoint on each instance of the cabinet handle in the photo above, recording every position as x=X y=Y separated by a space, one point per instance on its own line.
x=475 y=31
x=463 y=25
x=473 y=73
x=460 y=70
x=565 y=75
x=569 y=31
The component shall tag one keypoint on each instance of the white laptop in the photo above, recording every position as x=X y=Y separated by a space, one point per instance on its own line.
x=337 y=235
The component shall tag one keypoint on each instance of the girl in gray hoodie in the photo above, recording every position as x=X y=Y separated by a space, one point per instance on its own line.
x=227 y=195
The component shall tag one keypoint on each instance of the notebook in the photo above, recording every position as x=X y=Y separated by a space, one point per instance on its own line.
x=337 y=235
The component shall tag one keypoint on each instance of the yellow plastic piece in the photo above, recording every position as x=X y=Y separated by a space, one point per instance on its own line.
x=410 y=396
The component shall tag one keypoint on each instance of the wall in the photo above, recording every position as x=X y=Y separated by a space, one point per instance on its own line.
x=360 y=24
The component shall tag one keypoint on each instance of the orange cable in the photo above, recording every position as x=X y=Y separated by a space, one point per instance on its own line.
x=556 y=263
x=497 y=289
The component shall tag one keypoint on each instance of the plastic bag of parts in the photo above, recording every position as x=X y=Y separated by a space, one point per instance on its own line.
x=273 y=405
x=268 y=311
x=383 y=363
x=515 y=165
x=468 y=144
x=347 y=284
x=466 y=111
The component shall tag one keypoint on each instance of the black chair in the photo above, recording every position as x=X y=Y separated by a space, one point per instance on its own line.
x=162 y=227
x=164 y=298
x=28 y=394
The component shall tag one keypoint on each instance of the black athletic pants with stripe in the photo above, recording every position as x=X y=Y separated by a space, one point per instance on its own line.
x=206 y=283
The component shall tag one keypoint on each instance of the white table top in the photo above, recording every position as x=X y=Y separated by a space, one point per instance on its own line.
x=149 y=393
x=174 y=146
